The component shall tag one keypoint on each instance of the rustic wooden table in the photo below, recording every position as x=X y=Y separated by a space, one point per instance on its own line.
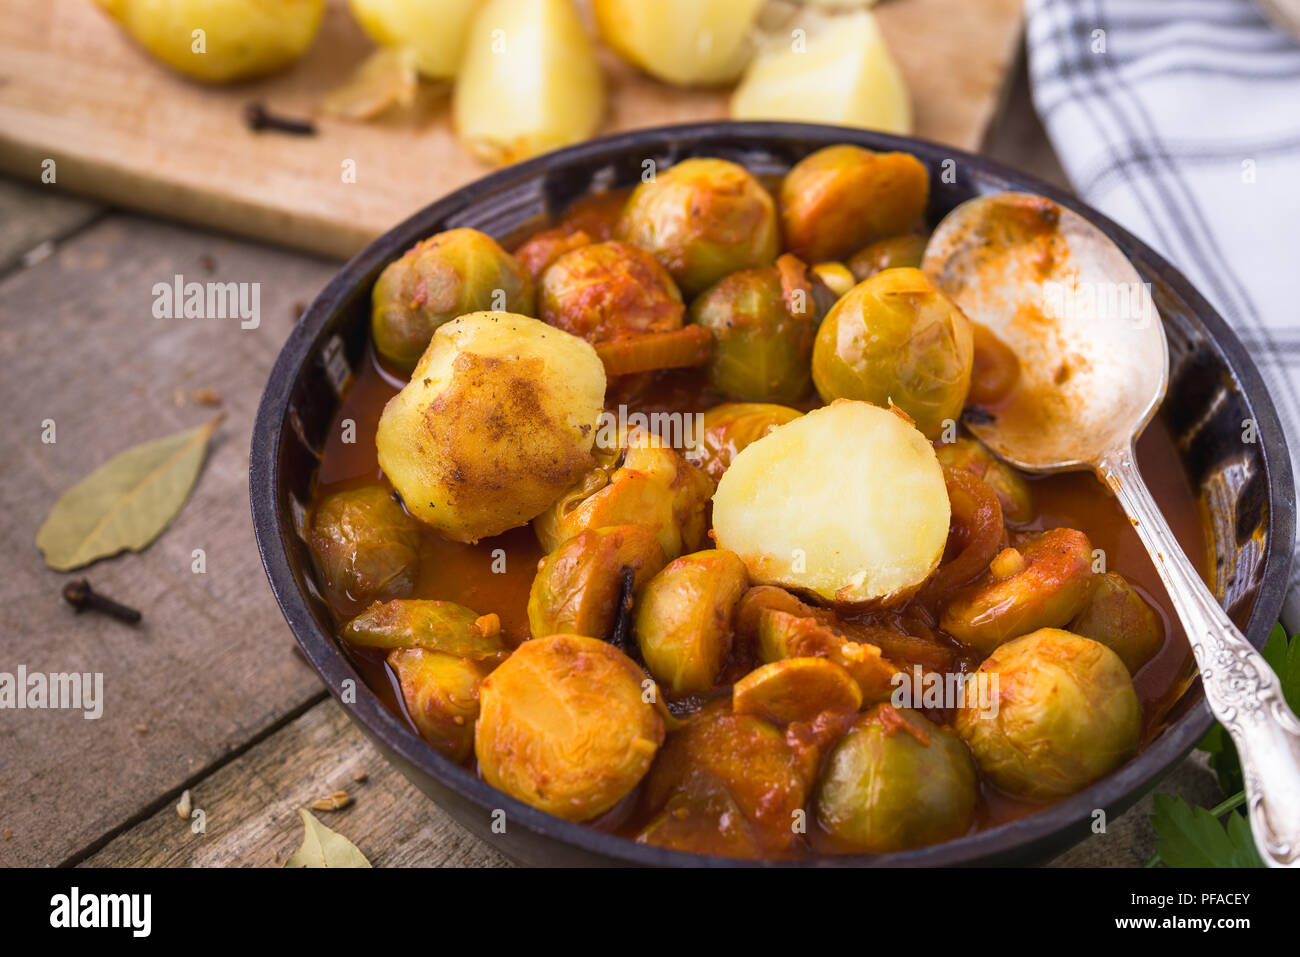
x=207 y=693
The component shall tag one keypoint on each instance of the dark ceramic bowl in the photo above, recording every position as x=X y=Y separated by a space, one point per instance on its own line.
x=1247 y=489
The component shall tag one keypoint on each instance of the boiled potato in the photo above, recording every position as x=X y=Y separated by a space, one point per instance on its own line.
x=434 y=30
x=218 y=41
x=529 y=81
x=685 y=42
x=847 y=502
x=566 y=726
x=441 y=696
x=499 y=418
x=838 y=70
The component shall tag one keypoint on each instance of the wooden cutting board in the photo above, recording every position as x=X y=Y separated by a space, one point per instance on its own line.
x=119 y=126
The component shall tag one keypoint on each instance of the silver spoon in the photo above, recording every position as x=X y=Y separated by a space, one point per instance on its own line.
x=1093 y=368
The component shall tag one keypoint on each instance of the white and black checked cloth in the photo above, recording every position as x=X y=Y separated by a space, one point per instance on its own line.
x=1180 y=119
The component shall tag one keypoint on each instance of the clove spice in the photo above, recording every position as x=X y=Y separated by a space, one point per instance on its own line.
x=81 y=596
x=257 y=118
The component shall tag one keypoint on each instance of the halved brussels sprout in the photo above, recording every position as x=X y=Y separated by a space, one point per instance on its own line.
x=577 y=587
x=566 y=726
x=763 y=323
x=1043 y=583
x=1012 y=490
x=796 y=689
x=649 y=484
x=870 y=529
x=1121 y=619
x=730 y=427
x=497 y=421
x=783 y=635
x=610 y=290
x=1067 y=715
x=727 y=783
x=365 y=544
x=441 y=626
x=892 y=252
x=441 y=696
x=840 y=198
x=703 y=219
x=685 y=618
x=897 y=781
x=436 y=280
x=895 y=338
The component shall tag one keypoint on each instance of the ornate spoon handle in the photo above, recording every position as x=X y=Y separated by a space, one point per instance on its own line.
x=1242 y=690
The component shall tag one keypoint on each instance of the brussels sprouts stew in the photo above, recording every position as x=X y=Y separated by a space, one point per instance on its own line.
x=664 y=520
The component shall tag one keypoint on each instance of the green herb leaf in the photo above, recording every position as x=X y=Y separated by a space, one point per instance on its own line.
x=126 y=502
x=322 y=847
x=1193 y=837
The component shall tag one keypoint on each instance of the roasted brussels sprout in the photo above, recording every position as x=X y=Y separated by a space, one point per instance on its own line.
x=1012 y=490
x=498 y=419
x=441 y=696
x=542 y=249
x=1121 y=619
x=783 y=635
x=895 y=338
x=763 y=323
x=611 y=290
x=365 y=544
x=1043 y=583
x=566 y=726
x=441 y=626
x=436 y=280
x=649 y=484
x=728 y=783
x=686 y=616
x=703 y=219
x=730 y=427
x=897 y=781
x=577 y=587
x=796 y=689
x=840 y=198
x=892 y=252
x=869 y=530
x=1067 y=715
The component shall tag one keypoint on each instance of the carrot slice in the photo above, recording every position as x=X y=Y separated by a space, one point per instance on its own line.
x=688 y=346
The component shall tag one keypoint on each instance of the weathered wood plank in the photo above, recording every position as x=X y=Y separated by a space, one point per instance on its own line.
x=251 y=808
x=31 y=216
x=210 y=665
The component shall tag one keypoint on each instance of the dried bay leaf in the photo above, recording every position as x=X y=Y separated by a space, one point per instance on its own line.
x=126 y=502
x=322 y=847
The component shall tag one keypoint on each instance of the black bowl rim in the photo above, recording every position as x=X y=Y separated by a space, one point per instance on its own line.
x=1051 y=827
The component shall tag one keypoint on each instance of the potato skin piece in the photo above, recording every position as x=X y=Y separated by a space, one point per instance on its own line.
x=564 y=726
x=441 y=696
x=499 y=418
x=576 y=589
x=685 y=618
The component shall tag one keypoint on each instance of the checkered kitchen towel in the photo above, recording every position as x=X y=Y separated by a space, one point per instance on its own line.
x=1180 y=119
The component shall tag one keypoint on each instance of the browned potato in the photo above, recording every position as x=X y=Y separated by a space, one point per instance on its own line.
x=840 y=198
x=441 y=626
x=796 y=689
x=441 y=696
x=577 y=587
x=499 y=418
x=566 y=726
x=685 y=618
x=649 y=484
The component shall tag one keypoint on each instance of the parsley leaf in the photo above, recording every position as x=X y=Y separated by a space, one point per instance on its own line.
x=1193 y=837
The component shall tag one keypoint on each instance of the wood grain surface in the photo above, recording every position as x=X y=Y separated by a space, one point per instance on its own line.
x=74 y=88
